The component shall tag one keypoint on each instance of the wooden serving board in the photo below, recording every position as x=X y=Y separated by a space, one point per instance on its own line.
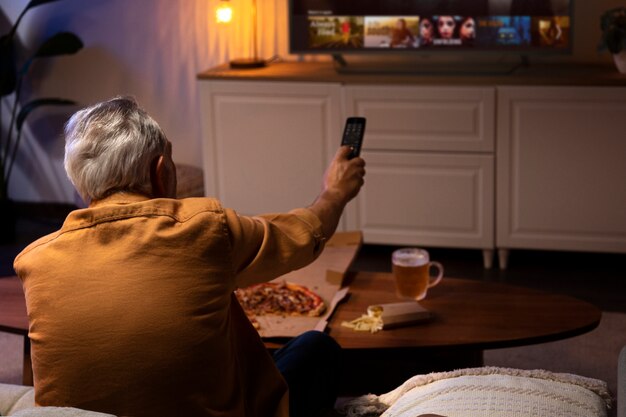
x=325 y=277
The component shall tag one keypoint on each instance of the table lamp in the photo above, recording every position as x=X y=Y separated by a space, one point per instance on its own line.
x=224 y=14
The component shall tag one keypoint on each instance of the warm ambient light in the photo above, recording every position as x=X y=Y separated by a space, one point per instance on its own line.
x=224 y=13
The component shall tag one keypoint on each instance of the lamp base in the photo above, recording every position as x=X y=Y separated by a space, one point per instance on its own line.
x=247 y=63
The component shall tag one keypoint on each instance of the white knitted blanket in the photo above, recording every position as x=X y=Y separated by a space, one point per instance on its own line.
x=486 y=392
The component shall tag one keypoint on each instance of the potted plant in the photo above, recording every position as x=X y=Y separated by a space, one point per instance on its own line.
x=12 y=75
x=613 y=25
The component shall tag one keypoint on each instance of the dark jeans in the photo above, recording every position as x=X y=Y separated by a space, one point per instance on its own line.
x=310 y=365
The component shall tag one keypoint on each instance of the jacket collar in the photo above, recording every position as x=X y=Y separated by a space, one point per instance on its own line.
x=121 y=197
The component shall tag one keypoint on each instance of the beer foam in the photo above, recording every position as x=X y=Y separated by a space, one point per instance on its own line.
x=410 y=258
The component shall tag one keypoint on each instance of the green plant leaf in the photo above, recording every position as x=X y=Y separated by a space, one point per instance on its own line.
x=32 y=105
x=8 y=72
x=21 y=117
x=613 y=25
x=35 y=3
x=63 y=43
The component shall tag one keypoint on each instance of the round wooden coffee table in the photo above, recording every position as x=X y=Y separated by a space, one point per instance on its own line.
x=469 y=317
x=468 y=314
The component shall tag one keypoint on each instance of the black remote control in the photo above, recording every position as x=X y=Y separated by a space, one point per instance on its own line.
x=353 y=135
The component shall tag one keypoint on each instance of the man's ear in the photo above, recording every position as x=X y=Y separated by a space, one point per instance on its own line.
x=158 y=177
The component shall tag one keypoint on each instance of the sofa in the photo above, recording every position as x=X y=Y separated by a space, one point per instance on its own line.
x=486 y=391
x=17 y=400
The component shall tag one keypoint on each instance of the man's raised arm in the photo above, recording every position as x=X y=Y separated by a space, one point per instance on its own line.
x=268 y=246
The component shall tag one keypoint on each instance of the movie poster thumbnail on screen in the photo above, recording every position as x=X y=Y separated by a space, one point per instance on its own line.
x=392 y=32
x=335 y=32
x=501 y=31
x=551 y=31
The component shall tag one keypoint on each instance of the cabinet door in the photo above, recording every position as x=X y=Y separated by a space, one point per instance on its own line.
x=266 y=145
x=562 y=168
x=426 y=199
x=456 y=119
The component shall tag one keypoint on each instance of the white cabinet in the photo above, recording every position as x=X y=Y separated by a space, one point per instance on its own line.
x=267 y=145
x=561 y=168
x=430 y=179
x=425 y=199
x=430 y=165
x=448 y=119
x=470 y=162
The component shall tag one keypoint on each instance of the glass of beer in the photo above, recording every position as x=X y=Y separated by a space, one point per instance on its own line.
x=411 y=267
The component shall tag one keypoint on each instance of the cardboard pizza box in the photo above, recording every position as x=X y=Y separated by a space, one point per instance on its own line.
x=401 y=314
x=325 y=277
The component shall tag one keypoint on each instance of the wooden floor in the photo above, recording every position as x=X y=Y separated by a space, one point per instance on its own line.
x=597 y=278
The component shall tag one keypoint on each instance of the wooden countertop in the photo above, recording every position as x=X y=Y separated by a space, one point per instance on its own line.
x=535 y=74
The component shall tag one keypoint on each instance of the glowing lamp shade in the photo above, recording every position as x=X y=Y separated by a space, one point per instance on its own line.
x=224 y=13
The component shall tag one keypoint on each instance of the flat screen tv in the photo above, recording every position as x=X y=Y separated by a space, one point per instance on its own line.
x=387 y=26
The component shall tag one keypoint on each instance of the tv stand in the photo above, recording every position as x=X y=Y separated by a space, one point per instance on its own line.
x=339 y=61
x=525 y=61
x=531 y=160
x=426 y=66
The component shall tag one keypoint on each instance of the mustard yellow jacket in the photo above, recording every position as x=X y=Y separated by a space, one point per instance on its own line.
x=132 y=313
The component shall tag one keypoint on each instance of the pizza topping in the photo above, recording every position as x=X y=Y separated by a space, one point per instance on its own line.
x=280 y=298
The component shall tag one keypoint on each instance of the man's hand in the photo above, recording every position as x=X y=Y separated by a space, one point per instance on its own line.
x=342 y=181
x=344 y=178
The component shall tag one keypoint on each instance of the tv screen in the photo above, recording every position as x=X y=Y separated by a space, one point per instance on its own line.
x=357 y=26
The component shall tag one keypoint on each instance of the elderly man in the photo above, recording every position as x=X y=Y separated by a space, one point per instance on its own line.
x=131 y=303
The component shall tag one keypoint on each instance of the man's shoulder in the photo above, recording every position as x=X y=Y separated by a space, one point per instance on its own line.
x=181 y=210
x=42 y=241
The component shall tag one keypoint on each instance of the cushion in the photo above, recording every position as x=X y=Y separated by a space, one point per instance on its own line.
x=58 y=412
x=19 y=401
x=15 y=397
x=489 y=391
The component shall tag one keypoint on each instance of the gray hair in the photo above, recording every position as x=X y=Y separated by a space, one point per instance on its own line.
x=110 y=147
